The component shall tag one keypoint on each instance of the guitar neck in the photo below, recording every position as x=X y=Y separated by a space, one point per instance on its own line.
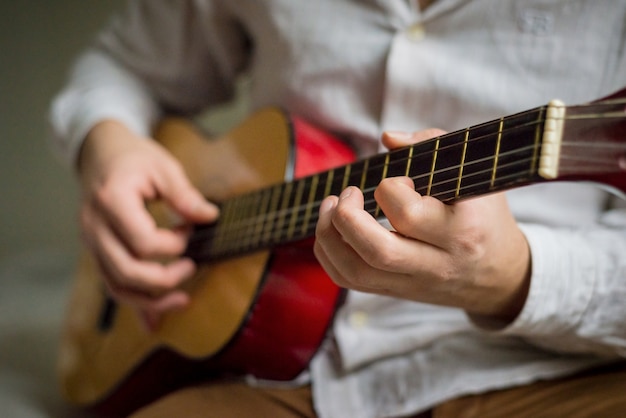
x=502 y=154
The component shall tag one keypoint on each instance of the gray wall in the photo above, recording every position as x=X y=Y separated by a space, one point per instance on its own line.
x=38 y=39
x=38 y=234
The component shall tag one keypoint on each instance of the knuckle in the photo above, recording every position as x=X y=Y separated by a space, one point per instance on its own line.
x=470 y=243
x=448 y=274
x=382 y=258
x=128 y=275
x=341 y=216
x=406 y=217
x=143 y=246
x=105 y=195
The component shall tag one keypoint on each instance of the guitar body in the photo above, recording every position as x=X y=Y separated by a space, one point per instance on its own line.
x=263 y=314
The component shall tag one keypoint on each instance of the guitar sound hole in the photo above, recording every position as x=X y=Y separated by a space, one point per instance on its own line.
x=105 y=322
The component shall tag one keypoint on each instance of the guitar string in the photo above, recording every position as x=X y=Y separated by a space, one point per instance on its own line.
x=296 y=221
x=301 y=209
x=233 y=245
x=447 y=136
x=457 y=144
x=244 y=223
x=236 y=225
x=232 y=240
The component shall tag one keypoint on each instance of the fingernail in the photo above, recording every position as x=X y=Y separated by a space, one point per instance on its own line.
x=327 y=205
x=401 y=135
x=345 y=194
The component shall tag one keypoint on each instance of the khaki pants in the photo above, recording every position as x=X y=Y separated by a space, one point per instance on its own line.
x=599 y=393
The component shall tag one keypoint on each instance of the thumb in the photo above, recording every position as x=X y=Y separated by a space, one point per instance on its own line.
x=186 y=200
x=397 y=139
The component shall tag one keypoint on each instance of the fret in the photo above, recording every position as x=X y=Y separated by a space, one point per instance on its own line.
x=251 y=219
x=346 y=176
x=310 y=203
x=357 y=172
x=420 y=167
x=239 y=232
x=262 y=218
x=497 y=154
x=295 y=209
x=329 y=183
x=320 y=192
x=224 y=227
x=241 y=224
x=534 y=165
x=227 y=226
x=236 y=225
x=518 y=150
x=409 y=160
x=479 y=159
x=377 y=211
x=385 y=168
x=432 y=168
x=282 y=213
x=445 y=173
x=462 y=164
x=375 y=172
x=336 y=185
x=272 y=213
x=397 y=163
x=363 y=183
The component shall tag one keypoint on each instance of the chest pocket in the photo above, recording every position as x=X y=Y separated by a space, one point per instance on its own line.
x=551 y=40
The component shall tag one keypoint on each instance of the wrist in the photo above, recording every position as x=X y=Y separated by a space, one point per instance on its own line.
x=100 y=143
x=511 y=287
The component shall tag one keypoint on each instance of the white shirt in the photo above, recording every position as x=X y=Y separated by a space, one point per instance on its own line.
x=357 y=68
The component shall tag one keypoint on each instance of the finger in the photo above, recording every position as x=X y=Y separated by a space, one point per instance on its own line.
x=153 y=305
x=122 y=266
x=337 y=258
x=126 y=213
x=375 y=246
x=156 y=305
x=150 y=309
x=176 y=189
x=418 y=217
x=349 y=269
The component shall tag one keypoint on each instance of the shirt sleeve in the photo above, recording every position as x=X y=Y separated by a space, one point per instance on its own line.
x=578 y=288
x=156 y=56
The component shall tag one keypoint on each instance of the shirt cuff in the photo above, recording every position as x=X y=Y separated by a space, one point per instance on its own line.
x=83 y=104
x=562 y=284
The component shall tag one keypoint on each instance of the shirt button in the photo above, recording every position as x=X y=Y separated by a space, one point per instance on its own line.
x=416 y=32
x=358 y=319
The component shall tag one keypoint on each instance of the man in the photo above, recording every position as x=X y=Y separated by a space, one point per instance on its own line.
x=472 y=298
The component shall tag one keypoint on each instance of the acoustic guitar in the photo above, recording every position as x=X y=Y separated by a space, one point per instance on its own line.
x=261 y=304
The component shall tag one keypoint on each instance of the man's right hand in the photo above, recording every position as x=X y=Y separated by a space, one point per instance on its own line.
x=120 y=172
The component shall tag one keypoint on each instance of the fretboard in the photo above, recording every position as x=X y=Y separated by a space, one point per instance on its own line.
x=485 y=158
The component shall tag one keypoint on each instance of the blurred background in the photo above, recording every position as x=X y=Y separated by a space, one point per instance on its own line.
x=38 y=41
x=38 y=234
